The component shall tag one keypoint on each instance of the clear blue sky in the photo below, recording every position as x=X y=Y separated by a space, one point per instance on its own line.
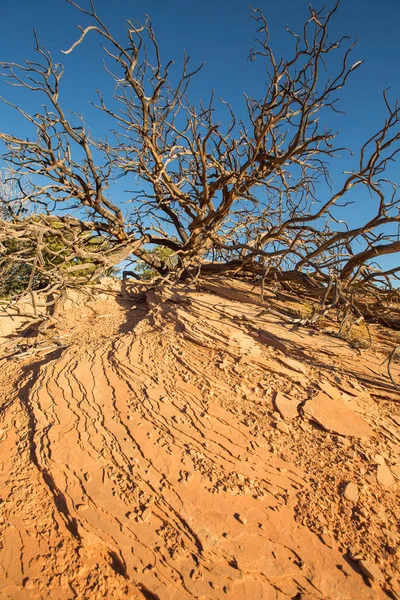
x=218 y=32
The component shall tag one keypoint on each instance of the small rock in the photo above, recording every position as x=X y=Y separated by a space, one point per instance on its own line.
x=351 y=492
x=223 y=364
x=286 y=406
x=370 y=570
x=146 y=514
x=378 y=458
x=241 y=518
x=282 y=427
x=384 y=476
x=28 y=584
x=354 y=554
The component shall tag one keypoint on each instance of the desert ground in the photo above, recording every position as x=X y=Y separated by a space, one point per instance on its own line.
x=197 y=442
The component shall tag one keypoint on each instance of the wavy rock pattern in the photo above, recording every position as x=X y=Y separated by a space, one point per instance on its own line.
x=134 y=466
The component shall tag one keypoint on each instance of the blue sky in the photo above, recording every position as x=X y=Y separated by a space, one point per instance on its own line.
x=220 y=33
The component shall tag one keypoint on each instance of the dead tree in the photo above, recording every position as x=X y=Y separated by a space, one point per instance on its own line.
x=238 y=197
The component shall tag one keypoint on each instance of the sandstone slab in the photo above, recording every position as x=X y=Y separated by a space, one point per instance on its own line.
x=295 y=365
x=286 y=406
x=336 y=416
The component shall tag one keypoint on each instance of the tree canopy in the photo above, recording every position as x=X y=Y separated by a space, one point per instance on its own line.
x=221 y=192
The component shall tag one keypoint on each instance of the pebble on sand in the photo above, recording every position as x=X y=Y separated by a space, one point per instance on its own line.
x=378 y=458
x=282 y=427
x=351 y=492
x=241 y=518
x=384 y=476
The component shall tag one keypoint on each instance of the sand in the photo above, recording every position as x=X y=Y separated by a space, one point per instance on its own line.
x=143 y=455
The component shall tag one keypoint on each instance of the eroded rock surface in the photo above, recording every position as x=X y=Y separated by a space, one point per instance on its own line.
x=142 y=459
